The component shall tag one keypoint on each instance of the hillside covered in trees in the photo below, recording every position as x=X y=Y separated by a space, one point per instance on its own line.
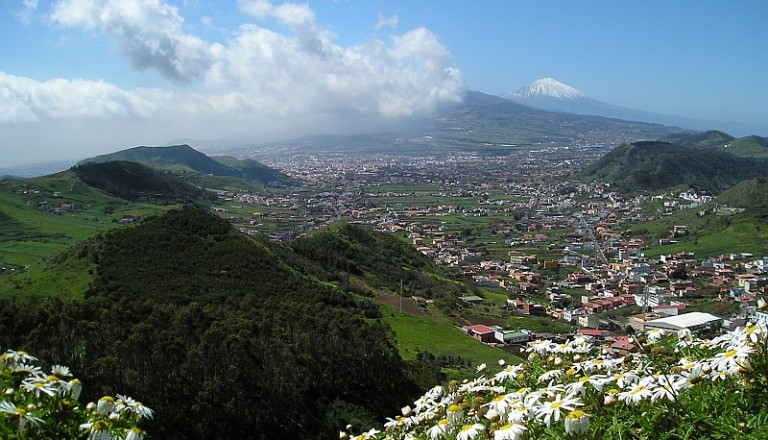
x=219 y=334
x=185 y=159
x=654 y=166
x=134 y=181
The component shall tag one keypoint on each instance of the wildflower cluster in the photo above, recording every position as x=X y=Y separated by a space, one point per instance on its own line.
x=675 y=386
x=44 y=404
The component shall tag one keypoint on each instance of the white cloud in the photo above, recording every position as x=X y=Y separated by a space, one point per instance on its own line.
x=148 y=32
x=293 y=73
x=290 y=14
x=28 y=8
x=388 y=22
x=262 y=83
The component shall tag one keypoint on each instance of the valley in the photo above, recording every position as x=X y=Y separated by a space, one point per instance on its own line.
x=444 y=261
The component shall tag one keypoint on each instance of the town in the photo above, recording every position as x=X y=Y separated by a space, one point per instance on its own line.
x=542 y=252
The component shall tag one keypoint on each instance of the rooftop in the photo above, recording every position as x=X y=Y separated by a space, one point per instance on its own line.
x=686 y=320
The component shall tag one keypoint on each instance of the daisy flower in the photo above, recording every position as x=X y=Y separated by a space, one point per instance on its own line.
x=550 y=375
x=439 y=430
x=468 y=432
x=23 y=415
x=501 y=403
x=552 y=409
x=510 y=431
x=635 y=395
x=576 y=422
x=733 y=359
x=655 y=334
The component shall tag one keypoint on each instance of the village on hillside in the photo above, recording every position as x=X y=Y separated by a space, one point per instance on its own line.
x=531 y=243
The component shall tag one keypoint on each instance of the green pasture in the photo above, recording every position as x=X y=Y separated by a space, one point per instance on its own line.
x=415 y=334
x=746 y=237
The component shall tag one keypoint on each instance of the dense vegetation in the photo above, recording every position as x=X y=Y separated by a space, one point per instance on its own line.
x=751 y=194
x=676 y=386
x=654 y=166
x=747 y=146
x=362 y=262
x=217 y=334
x=183 y=158
x=134 y=181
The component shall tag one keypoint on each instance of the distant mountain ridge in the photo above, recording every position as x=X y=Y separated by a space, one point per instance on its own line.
x=186 y=158
x=548 y=87
x=489 y=120
x=655 y=166
x=747 y=146
x=552 y=95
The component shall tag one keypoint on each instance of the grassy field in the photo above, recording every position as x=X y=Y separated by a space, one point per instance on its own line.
x=748 y=237
x=423 y=333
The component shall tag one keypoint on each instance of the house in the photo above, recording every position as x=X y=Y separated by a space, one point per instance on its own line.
x=622 y=345
x=669 y=309
x=590 y=321
x=694 y=321
x=482 y=333
x=513 y=337
x=126 y=219
x=597 y=334
x=472 y=299
x=572 y=315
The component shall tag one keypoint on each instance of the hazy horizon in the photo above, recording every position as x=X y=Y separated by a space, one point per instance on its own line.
x=80 y=78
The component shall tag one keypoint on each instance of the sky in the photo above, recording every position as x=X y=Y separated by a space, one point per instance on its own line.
x=85 y=77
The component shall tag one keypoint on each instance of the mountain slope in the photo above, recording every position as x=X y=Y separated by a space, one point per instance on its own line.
x=748 y=146
x=183 y=158
x=547 y=87
x=134 y=181
x=653 y=166
x=484 y=119
x=549 y=94
x=751 y=195
x=216 y=333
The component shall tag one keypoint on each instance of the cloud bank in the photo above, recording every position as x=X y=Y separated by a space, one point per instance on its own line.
x=260 y=80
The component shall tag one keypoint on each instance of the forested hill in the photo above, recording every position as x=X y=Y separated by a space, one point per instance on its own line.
x=747 y=146
x=751 y=195
x=134 y=181
x=187 y=159
x=654 y=166
x=364 y=261
x=217 y=334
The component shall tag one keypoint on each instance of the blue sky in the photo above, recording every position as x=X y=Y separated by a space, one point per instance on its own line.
x=80 y=77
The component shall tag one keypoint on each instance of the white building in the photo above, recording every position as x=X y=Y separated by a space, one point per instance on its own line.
x=694 y=321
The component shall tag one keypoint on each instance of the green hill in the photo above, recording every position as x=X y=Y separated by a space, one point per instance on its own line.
x=44 y=215
x=751 y=195
x=217 y=334
x=185 y=159
x=654 y=166
x=486 y=122
x=748 y=146
x=134 y=181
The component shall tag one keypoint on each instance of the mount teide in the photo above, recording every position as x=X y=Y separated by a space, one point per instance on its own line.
x=552 y=95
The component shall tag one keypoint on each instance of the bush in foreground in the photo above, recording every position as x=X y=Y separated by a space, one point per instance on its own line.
x=676 y=386
x=44 y=405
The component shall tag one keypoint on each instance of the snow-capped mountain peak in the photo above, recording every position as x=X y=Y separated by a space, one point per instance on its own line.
x=548 y=87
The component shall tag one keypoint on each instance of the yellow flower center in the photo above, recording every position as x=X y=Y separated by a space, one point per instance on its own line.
x=729 y=354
